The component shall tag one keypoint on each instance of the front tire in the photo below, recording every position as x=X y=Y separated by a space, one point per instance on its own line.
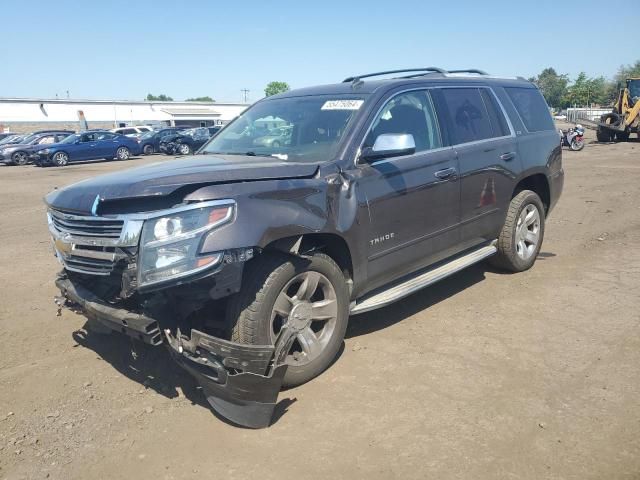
x=60 y=159
x=184 y=149
x=522 y=234
x=19 y=158
x=276 y=286
x=148 y=150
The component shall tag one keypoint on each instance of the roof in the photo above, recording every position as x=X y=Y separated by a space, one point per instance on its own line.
x=114 y=102
x=370 y=86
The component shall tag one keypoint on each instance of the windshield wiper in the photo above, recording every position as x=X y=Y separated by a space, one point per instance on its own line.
x=245 y=154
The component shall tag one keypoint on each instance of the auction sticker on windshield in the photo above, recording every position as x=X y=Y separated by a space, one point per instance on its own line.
x=342 y=104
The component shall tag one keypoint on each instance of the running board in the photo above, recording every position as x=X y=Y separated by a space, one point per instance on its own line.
x=421 y=280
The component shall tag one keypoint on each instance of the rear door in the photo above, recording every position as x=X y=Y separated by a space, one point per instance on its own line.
x=486 y=148
x=86 y=149
x=414 y=200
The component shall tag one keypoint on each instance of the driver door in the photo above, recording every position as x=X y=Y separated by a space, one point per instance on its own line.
x=414 y=200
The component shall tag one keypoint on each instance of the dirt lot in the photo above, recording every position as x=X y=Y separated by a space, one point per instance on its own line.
x=486 y=375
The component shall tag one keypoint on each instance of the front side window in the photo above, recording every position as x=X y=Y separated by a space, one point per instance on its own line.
x=46 y=140
x=532 y=108
x=300 y=129
x=468 y=115
x=411 y=113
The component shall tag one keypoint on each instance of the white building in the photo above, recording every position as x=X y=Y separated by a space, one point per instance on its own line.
x=15 y=112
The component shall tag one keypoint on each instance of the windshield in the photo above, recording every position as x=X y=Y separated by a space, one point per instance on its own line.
x=634 y=88
x=148 y=135
x=71 y=138
x=30 y=138
x=10 y=139
x=303 y=129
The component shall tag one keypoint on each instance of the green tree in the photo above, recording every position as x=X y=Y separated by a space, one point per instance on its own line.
x=273 y=88
x=627 y=71
x=552 y=85
x=200 y=99
x=158 y=98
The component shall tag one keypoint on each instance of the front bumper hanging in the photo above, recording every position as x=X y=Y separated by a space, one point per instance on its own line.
x=241 y=382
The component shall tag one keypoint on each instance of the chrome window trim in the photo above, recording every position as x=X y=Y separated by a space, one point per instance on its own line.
x=435 y=87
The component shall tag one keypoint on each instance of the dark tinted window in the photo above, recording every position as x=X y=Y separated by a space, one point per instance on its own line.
x=412 y=113
x=496 y=117
x=468 y=115
x=532 y=108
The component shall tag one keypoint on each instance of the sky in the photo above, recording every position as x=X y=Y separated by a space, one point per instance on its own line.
x=125 y=49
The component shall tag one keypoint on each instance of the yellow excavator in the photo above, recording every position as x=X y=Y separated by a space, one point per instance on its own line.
x=624 y=119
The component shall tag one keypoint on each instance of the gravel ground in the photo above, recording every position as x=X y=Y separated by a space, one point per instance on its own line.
x=485 y=375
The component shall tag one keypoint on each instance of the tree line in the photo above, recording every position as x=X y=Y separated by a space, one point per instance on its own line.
x=560 y=92
x=272 y=88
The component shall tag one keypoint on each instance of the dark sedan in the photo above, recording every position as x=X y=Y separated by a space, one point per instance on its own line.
x=150 y=141
x=187 y=141
x=18 y=153
x=89 y=145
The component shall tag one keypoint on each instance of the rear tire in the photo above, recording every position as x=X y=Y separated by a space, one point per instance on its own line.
x=123 y=153
x=273 y=289
x=522 y=234
x=577 y=146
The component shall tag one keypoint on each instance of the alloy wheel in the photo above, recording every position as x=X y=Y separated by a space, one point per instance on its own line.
x=528 y=231
x=122 y=153
x=61 y=159
x=309 y=300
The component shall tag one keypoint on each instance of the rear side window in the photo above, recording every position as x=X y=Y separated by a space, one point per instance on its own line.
x=498 y=122
x=468 y=114
x=532 y=108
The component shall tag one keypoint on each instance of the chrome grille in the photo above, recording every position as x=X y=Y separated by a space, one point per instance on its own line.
x=86 y=226
x=87 y=244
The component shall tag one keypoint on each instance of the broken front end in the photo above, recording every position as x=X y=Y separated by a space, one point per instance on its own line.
x=147 y=276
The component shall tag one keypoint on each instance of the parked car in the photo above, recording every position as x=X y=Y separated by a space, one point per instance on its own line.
x=247 y=260
x=150 y=141
x=275 y=138
x=13 y=138
x=4 y=135
x=132 y=131
x=186 y=141
x=18 y=153
x=89 y=145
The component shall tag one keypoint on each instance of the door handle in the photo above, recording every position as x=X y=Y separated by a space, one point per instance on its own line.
x=507 y=157
x=446 y=173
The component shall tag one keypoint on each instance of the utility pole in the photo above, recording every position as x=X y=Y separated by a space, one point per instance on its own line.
x=245 y=93
x=67 y=93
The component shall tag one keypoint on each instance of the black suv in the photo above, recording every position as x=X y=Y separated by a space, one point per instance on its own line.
x=248 y=259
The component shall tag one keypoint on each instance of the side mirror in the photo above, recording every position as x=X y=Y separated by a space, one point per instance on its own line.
x=390 y=145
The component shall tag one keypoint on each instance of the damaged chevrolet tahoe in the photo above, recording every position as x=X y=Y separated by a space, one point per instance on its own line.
x=247 y=259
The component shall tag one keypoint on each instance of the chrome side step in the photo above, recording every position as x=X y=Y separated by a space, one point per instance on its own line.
x=420 y=281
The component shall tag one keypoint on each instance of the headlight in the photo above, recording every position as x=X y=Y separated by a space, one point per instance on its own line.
x=170 y=245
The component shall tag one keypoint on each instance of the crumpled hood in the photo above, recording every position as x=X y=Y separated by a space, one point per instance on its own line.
x=163 y=178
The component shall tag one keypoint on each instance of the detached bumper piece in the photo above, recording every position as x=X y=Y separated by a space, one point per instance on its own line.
x=132 y=324
x=240 y=382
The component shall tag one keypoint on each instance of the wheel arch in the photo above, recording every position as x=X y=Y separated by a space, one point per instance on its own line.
x=330 y=244
x=538 y=183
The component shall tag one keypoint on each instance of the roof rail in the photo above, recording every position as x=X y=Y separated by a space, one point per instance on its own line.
x=469 y=70
x=356 y=78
